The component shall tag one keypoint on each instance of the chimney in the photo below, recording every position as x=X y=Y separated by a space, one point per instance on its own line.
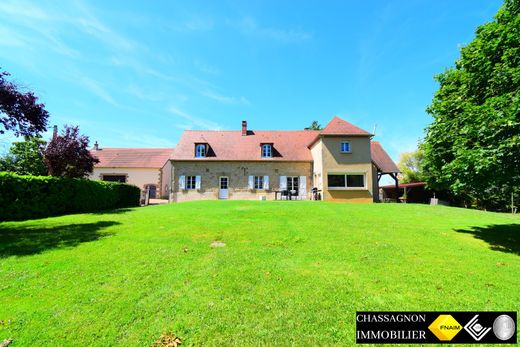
x=96 y=146
x=244 y=128
x=54 y=131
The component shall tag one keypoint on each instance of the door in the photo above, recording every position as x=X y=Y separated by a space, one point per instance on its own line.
x=292 y=185
x=223 y=192
x=152 y=191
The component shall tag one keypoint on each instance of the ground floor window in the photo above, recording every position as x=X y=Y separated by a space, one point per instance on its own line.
x=346 y=180
x=259 y=182
x=293 y=183
x=114 y=178
x=191 y=182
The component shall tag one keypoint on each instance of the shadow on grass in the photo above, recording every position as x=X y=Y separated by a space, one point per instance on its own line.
x=500 y=237
x=32 y=239
x=116 y=211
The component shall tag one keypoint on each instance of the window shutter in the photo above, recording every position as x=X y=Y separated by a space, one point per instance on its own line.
x=251 y=182
x=266 y=182
x=197 y=182
x=303 y=186
x=283 y=182
x=182 y=182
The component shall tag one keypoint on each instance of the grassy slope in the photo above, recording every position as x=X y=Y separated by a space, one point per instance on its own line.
x=292 y=272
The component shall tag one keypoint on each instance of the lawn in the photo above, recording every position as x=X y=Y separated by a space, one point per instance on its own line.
x=289 y=273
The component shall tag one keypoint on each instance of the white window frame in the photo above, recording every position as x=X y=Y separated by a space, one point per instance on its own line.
x=258 y=182
x=200 y=150
x=364 y=174
x=267 y=150
x=191 y=182
x=349 y=147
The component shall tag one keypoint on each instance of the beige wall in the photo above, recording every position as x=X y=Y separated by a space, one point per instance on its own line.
x=166 y=177
x=136 y=176
x=238 y=173
x=357 y=161
x=317 y=171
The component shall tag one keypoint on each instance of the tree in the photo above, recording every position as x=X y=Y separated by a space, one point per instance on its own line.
x=20 y=111
x=410 y=165
x=472 y=147
x=25 y=158
x=67 y=155
x=314 y=126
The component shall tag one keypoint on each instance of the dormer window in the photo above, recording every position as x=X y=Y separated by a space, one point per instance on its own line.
x=200 y=150
x=345 y=147
x=267 y=150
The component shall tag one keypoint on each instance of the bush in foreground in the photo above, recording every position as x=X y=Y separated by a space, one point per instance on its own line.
x=27 y=197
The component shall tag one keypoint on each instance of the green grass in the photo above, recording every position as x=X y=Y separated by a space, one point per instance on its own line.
x=290 y=273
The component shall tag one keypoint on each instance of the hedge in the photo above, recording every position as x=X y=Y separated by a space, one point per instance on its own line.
x=28 y=197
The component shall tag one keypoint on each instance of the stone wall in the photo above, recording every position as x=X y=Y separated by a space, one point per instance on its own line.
x=238 y=173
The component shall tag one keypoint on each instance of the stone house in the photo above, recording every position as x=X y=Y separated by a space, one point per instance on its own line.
x=338 y=163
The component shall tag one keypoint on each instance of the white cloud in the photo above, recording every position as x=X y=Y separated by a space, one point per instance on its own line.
x=96 y=88
x=197 y=23
x=248 y=25
x=100 y=31
x=206 y=68
x=194 y=120
x=232 y=100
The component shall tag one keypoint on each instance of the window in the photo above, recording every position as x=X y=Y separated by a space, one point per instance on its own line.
x=345 y=147
x=114 y=178
x=346 y=180
x=292 y=183
x=357 y=181
x=259 y=182
x=191 y=182
x=267 y=151
x=200 y=150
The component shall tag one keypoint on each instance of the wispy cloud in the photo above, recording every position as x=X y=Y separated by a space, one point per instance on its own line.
x=23 y=9
x=206 y=68
x=101 y=32
x=97 y=89
x=197 y=23
x=231 y=100
x=194 y=120
x=249 y=26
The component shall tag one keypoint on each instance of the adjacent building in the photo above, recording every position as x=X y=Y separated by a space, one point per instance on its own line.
x=146 y=168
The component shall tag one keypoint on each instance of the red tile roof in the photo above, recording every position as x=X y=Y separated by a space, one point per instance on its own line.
x=381 y=159
x=338 y=126
x=231 y=145
x=132 y=157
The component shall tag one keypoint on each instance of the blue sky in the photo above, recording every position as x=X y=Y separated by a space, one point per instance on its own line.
x=137 y=73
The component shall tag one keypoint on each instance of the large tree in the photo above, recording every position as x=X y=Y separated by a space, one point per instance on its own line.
x=410 y=165
x=20 y=111
x=25 y=158
x=473 y=145
x=68 y=155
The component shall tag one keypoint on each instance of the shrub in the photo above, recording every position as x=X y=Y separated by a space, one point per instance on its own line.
x=27 y=197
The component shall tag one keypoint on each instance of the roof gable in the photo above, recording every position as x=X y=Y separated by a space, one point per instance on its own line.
x=132 y=157
x=338 y=126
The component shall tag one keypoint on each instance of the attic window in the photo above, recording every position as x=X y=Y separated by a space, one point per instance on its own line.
x=200 y=150
x=345 y=147
x=267 y=150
